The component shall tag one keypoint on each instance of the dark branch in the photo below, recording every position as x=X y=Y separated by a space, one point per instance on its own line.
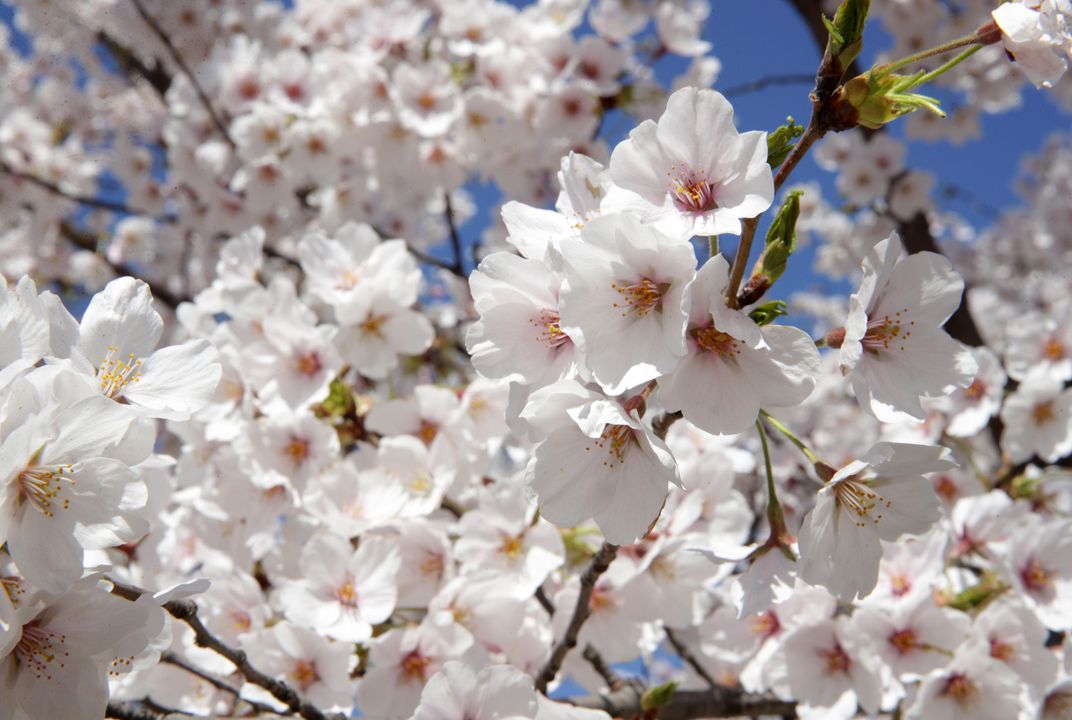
x=96 y=202
x=685 y=654
x=186 y=611
x=600 y=665
x=598 y=566
x=458 y=266
x=769 y=81
x=687 y=704
x=157 y=77
x=176 y=56
x=85 y=241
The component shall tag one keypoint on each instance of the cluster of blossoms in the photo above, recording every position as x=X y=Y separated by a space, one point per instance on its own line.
x=409 y=496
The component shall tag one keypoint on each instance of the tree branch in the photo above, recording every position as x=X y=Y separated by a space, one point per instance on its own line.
x=581 y=611
x=685 y=654
x=157 y=77
x=458 y=267
x=96 y=202
x=688 y=704
x=85 y=241
x=124 y=710
x=176 y=56
x=186 y=611
x=769 y=81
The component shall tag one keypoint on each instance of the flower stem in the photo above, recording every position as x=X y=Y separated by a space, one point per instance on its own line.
x=927 y=77
x=972 y=39
x=774 y=507
x=748 y=232
x=812 y=457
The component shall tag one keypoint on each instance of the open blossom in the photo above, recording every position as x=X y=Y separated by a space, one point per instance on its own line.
x=1038 y=419
x=343 y=593
x=974 y=686
x=692 y=173
x=733 y=366
x=499 y=692
x=598 y=461
x=624 y=299
x=881 y=496
x=116 y=345
x=1037 y=36
x=62 y=490
x=893 y=348
x=57 y=668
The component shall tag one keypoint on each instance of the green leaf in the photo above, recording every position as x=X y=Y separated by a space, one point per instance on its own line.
x=780 y=141
x=768 y=312
x=658 y=696
x=781 y=238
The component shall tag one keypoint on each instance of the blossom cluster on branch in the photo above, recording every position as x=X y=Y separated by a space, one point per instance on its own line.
x=277 y=439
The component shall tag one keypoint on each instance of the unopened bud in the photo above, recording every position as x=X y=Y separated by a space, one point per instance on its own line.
x=877 y=98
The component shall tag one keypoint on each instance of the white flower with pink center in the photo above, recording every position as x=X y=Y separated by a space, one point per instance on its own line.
x=733 y=366
x=881 y=496
x=893 y=347
x=600 y=462
x=692 y=173
x=624 y=300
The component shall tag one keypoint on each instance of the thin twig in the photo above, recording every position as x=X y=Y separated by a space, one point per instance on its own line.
x=687 y=704
x=545 y=602
x=157 y=77
x=141 y=710
x=96 y=202
x=176 y=56
x=685 y=654
x=186 y=611
x=581 y=611
x=85 y=241
x=605 y=671
x=458 y=267
x=769 y=81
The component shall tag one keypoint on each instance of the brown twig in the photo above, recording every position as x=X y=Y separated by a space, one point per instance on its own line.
x=85 y=241
x=96 y=202
x=686 y=655
x=458 y=266
x=768 y=81
x=176 y=56
x=581 y=611
x=605 y=671
x=688 y=704
x=186 y=611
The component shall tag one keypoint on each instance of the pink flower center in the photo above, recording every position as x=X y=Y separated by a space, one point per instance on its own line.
x=959 y=687
x=692 y=192
x=887 y=333
x=641 y=297
x=1002 y=651
x=551 y=335
x=836 y=660
x=900 y=585
x=415 y=665
x=1042 y=413
x=1035 y=577
x=346 y=593
x=308 y=363
x=41 y=650
x=713 y=340
x=765 y=625
x=304 y=673
x=904 y=641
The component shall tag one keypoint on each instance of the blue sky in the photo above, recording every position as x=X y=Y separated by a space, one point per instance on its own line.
x=758 y=38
